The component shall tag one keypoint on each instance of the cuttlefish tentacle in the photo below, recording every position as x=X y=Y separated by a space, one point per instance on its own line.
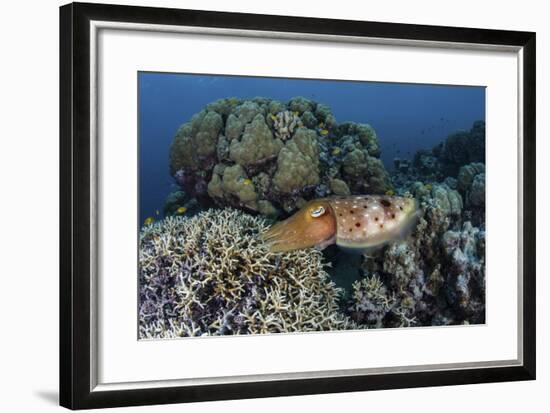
x=359 y=223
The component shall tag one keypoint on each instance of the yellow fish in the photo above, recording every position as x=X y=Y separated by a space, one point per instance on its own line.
x=336 y=151
x=247 y=182
x=181 y=210
x=324 y=132
x=359 y=223
x=390 y=192
x=148 y=221
x=273 y=117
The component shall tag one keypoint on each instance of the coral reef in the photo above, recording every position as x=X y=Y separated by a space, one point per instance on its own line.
x=179 y=201
x=464 y=255
x=457 y=164
x=298 y=164
x=212 y=275
x=434 y=277
x=271 y=157
x=471 y=184
x=373 y=305
x=257 y=143
x=445 y=159
x=448 y=200
x=461 y=148
x=233 y=181
x=286 y=121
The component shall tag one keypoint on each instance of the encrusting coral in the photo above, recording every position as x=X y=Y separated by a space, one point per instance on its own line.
x=212 y=275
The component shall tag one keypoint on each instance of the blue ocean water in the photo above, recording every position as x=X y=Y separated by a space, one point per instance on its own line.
x=406 y=117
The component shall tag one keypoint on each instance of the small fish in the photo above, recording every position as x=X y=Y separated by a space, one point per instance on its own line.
x=322 y=125
x=273 y=117
x=157 y=212
x=336 y=151
x=324 y=132
x=428 y=187
x=390 y=192
x=181 y=210
x=296 y=113
x=247 y=181
x=361 y=223
x=148 y=221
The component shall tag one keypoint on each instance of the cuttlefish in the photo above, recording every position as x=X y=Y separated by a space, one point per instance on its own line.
x=361 y=223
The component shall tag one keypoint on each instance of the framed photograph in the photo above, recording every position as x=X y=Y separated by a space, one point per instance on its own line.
x=258 y=206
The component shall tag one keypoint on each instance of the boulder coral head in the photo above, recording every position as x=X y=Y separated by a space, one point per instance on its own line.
x=271 y=157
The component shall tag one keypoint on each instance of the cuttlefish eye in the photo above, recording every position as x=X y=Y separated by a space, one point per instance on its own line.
x=317 y=212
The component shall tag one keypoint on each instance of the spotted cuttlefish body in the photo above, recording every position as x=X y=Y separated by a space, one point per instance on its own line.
x=360 y=223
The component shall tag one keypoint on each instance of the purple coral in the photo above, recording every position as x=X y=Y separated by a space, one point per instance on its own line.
x=212 y=275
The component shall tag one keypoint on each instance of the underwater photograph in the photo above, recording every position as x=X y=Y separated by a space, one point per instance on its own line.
x=278 y=205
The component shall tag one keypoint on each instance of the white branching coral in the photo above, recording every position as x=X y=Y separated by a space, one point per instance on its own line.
x=284 y=124
x=372 y=304
x=212 y=275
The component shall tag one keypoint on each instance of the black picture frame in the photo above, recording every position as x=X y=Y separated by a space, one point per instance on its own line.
x=75 y=219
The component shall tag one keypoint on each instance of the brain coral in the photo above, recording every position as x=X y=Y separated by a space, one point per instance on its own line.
x=212 y=275
x=290 y=151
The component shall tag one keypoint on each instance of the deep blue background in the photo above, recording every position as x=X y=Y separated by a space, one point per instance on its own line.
x=406 y=117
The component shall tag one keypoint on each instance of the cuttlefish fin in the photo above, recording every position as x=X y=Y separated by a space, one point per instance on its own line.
x=368 y=252
x=372 y=252
x=323 y=244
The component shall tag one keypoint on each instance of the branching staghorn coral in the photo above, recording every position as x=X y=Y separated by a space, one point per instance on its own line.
x=212 y=275
x=371 y=301
x=284 y=124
